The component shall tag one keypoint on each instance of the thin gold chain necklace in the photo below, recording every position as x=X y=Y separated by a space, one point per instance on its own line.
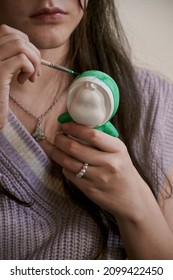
x=39 y=133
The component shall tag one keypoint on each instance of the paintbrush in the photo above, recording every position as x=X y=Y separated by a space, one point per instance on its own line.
x=58 y=67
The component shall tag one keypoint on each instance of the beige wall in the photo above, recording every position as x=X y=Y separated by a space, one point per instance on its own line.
x=149 y=28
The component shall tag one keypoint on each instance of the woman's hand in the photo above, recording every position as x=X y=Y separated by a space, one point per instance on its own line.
x=17 y=56
x=111 y=180
x=113 y=183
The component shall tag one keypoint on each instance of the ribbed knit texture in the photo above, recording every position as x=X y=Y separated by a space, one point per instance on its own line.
x=153 y=145
x=54 y=227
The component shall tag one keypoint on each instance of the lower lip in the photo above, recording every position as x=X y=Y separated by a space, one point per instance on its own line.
x=49 y=18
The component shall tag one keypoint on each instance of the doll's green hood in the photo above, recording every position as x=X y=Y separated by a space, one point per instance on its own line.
x=104 y=80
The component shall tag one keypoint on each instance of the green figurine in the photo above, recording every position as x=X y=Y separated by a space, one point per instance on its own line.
x=93 y=99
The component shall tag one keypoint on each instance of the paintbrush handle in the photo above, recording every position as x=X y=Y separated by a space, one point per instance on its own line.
x=58 y=67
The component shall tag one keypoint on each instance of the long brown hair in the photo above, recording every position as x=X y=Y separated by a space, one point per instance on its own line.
x=99 y=43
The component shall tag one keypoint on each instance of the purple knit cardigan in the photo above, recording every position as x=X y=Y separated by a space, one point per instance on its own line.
x=53 y=226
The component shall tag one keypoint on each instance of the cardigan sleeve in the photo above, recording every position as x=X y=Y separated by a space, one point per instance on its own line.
x=154 y=143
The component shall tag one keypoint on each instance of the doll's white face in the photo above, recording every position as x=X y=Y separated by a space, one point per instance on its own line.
x=88 y=106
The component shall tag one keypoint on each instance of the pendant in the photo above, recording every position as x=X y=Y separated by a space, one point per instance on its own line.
x=39 y=134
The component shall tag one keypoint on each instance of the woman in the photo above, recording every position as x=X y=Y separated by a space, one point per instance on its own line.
x=121 y=206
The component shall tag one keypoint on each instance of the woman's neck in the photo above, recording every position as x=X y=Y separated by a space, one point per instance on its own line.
x=37 y=97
